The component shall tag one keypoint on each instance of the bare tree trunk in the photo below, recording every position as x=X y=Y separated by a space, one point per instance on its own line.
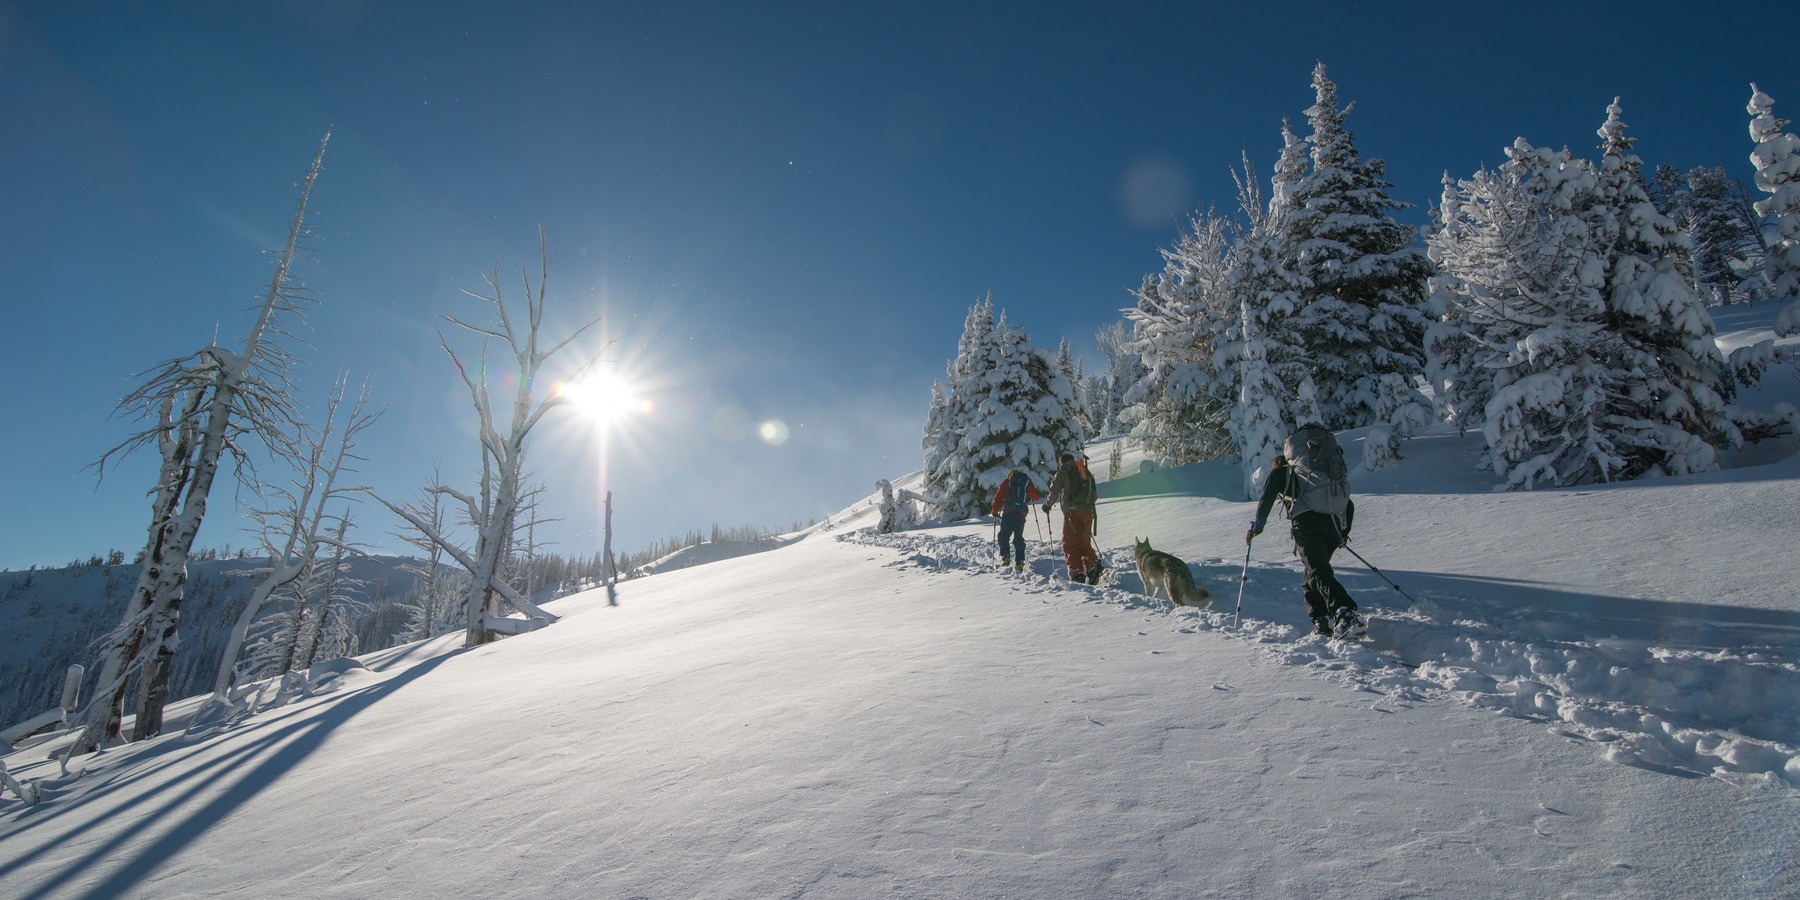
x=612 y=575
x=211 y=384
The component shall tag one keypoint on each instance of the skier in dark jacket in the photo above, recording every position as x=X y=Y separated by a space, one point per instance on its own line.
x=1316 y=538
x=1074 y=488
x=1011 y=506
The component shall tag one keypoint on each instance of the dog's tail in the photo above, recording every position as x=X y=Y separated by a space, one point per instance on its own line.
x=1191 y=594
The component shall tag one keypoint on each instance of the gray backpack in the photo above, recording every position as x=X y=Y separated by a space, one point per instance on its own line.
x=1318 y=480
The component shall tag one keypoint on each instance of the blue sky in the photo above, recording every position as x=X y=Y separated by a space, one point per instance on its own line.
x=781 y=214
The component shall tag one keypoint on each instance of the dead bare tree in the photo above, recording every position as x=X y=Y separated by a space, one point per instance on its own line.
x=493 y=508
x=204 y=406
x=297 y=527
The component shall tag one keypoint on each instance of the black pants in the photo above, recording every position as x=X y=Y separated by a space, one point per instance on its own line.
x=1316 y=539
x=1012 y=525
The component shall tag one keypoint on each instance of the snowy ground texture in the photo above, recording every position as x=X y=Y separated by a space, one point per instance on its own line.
x=1595 y=695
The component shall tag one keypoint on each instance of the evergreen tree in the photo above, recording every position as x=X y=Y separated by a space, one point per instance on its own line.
x=1181 y=407
x=1265 y=280
x=940 y=437
x=1519 y=281
x=1094 y=395
x=1124 y=369
x=964 y=388
x=1566 y=326
x=1261 y=364
x=1017 y=414
x=1453 y=357
x=1711 y=209
x=1668 y=413
x=1777 y=161
x=1068 y=365
x=1362 y=310
x=1022 y=420
x=1260 y=420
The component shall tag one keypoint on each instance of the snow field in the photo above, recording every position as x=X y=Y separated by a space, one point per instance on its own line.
x=1720 y=713
x=1600 y=707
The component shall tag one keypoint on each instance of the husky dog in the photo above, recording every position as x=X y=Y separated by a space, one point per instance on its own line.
x=1162 y=571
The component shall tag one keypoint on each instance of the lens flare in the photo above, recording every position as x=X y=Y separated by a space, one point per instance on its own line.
x=774 y=432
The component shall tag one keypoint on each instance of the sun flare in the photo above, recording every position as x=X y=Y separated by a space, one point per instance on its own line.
x=604 y=398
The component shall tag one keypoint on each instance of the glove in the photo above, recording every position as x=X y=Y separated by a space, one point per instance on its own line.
x=1049 y=506
x=1249 y=536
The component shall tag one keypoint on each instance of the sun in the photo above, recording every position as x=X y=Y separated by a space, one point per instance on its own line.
x=604 y=398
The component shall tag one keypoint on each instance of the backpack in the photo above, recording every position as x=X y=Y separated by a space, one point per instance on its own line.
x=1318 y=480
x=1016 y=493
x=1081 y=488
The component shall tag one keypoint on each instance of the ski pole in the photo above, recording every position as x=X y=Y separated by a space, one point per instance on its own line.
x=1242 y=580
x=1040 y=527
x=1390 y=581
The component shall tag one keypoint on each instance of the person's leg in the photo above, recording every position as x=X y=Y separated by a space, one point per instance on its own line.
x=1074 y=530
x=1326 y=599
x=1315 y=556
x=1086 y=557
x=1012 y=530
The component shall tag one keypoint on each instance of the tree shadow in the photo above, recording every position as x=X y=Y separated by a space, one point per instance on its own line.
x=258 y=765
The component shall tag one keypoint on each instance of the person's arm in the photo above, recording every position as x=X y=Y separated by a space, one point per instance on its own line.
x=1056 y=489
x=1272 y=488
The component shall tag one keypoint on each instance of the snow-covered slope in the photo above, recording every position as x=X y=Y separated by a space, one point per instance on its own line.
x=1593 y=697
x=710 y=551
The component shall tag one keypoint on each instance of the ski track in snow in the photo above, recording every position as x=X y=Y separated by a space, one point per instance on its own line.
x=1685 y=711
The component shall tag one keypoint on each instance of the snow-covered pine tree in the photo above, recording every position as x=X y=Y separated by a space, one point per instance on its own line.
x=940 y=438
x=1260 y=421
x=1524 y=305
x=1708 y=206
x=1667 y=414
x=1460 y=386
x=1777 y=161
x=1022 y=421
x=1068 y=365
x=1362 y=310
x=899 y=508
x=1181 y=406
x=1094 y=395
x=948 y=480
x=1265 y=281
x=1124 y=369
